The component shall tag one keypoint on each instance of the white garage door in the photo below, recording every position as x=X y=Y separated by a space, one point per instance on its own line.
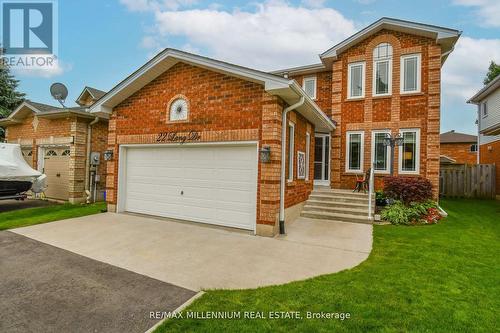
x=211 y=184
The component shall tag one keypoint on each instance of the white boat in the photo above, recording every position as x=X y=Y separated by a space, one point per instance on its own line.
x=16 y=176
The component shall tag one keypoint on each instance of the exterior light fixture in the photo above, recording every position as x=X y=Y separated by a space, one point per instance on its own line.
x=265 y=154
x=108 y=155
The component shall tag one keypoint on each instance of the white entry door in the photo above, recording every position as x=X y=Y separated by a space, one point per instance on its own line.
x=214 y=184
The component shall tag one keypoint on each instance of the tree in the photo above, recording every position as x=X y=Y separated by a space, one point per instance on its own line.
x=493 y=72
x=10 y=97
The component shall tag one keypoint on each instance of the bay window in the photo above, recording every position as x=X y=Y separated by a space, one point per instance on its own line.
x=356 y=80
x=410 y=73
x=382 y=70
x=354 y=151
x=409 y=152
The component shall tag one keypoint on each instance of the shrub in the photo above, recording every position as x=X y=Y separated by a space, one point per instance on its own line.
x=408 y=189
x=415 y=213
x=380 y=198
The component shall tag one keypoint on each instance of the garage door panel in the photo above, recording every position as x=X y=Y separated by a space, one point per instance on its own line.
x=218 y=183
x=237 y=175
x=157 y=182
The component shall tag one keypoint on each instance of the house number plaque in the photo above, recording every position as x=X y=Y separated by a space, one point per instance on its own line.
x=177 y=137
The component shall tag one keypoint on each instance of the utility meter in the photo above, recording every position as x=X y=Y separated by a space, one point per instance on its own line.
x=94 y=158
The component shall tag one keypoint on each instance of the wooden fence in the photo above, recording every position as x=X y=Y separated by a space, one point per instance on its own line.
x=467 y=181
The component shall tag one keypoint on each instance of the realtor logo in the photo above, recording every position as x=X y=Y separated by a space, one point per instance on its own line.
x=29 y=33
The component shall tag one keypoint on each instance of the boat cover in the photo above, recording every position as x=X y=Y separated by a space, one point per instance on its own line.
x=12 y=164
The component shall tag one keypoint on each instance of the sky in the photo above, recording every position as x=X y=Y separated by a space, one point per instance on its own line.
x=103 y=41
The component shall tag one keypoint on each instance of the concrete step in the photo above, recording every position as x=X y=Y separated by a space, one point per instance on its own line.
x=314 y=214
x=334 y=197
x=345 y=193
x=334 y=209
x=327 y=203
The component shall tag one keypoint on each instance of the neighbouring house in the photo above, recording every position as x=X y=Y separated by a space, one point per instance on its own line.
x=488 y=119
x=59 y=142
x=458 y=148
x=199 y=139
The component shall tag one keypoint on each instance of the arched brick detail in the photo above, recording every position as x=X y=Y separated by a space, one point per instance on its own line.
x=173 y=99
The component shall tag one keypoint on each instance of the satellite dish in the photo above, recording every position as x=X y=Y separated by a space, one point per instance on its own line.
x=59 y=92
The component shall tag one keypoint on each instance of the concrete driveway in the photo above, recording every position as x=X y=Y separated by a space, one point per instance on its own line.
x=46 y=289
x=196 y=256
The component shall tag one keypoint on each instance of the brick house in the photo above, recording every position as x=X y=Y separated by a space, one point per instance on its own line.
x=56 y=142
x=458 y=148
x=488 y=114
x=198 y=139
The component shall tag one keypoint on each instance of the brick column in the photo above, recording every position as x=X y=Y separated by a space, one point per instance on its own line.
x=336 y=142
x=77 y=161
x=433 y=116
x=268 y=194
x=112 y=166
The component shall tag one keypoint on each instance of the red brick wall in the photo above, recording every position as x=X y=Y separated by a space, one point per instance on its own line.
x=45 y=128
x=489 y=153
x=395 y=112
x=99 y=143
x=323 y=89
x=222 y=108
x=460 y=152
x=67 y=127
x=298 y=190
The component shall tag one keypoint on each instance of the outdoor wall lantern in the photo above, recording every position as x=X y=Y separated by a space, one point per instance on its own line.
x=108 y=155
x=393 y=141
x=265 y=154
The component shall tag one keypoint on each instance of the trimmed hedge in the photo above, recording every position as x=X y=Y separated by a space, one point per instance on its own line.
x=408 y=189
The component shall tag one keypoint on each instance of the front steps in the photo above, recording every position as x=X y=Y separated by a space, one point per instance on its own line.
x=337 y=205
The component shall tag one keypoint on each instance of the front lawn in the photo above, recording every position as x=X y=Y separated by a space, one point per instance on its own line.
x=434 y=278
x=31 y=216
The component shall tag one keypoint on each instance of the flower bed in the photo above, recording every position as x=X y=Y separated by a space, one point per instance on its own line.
x=408 y=201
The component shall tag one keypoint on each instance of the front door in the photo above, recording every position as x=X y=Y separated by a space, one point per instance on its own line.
x=322 y=159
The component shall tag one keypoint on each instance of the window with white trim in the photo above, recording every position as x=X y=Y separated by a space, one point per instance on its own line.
x=382 y=70
x=356 y=80
x=473 y=148
x=484 y=109
x=308 y=152
x=291 y=149
x=355 y=150
x=409 y=152
x=410 y=73
x=309 y=86
x=381 y=158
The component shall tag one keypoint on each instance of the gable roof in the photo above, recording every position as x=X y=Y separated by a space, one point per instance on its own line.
x=485 y=91
x=444 y=36
x=41 y=110
x=93 y=92
x=455 y=137
x=288 y=90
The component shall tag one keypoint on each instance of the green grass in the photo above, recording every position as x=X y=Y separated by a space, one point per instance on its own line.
x=31 y=216
x=438 y=278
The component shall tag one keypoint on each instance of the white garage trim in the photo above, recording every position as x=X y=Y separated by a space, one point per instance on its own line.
x=122 y=171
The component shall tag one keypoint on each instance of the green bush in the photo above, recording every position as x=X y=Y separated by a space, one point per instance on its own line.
x=398 y=213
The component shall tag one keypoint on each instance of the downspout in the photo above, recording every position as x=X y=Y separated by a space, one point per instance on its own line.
x=87 y=164
x=284 y=128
